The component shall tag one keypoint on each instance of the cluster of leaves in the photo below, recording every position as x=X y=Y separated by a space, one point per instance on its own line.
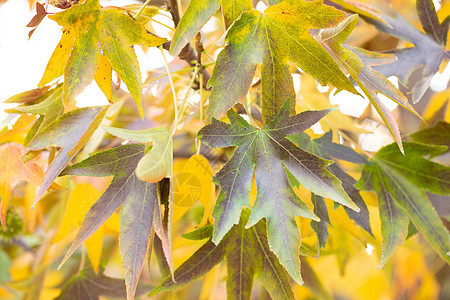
x=277 y=176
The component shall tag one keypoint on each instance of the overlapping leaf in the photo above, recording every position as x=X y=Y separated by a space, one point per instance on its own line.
x=273 y=38
x=198 y=13
x=157 y=163
x=324 y=147
x=428 y=51
x=400 y=182
x=78 y=203
x=140 y=211
x=13 y=171
x=359 y=63
x=247 y=254
x=436 y=135
x=269 y=153
x=69 y=132
x=96 y=31
x=49 y=109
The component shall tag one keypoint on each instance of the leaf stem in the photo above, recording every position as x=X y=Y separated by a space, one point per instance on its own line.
x=174 y=72
x=208 y=55
x=199 y=143
x=173 y=128
x=141 y=9
x=183 y=104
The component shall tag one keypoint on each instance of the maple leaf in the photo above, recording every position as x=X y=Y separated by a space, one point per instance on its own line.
x=198 y=13
x=247 y=255
x=88 y=285
x=140 y=210
x=99 y=31
x=69 y=132
x=157 y=163
x=320 y=209
x=269 y=152
x=437 y=135
x=324 y=147
x=15 y=170
x=360 y=8
x=400 y=182
x=428 y=51
x=20 y=129
x=49 y=108
x=78 y=203
x=359 y=63
x=430 y=22
x=273 y=38
x=28 y=96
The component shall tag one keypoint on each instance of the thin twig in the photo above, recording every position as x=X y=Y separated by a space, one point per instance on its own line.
x=141 y=9
x=173 y=128
x=187 y=53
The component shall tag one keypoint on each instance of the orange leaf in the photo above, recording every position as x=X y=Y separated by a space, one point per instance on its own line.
x=13 y=171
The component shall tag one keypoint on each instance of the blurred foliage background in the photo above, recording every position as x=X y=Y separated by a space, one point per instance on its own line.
x=36 y=239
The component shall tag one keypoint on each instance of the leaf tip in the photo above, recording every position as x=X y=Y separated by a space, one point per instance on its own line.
x=61 y=263
x=383 y=261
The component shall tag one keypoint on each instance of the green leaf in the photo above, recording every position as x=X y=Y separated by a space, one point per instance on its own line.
x=320 y=209
x=195 y=16
x=423 y=173
x=50 y=108
x=324 y=147
x=198 y=13
x=200 y=263
x=436 y=135
x=394 y=218
x=69 y=132
x=273 y=38
x=117 y=35
x=140 y=209
x=232 y=9
x=157 y=163
x=199 y=234
x=247 y=254
x=110 y=32
x=369 y=80
x=399 y=182
x=81 y=65
x=5 y=263
x=268 y=152
x=136 y=221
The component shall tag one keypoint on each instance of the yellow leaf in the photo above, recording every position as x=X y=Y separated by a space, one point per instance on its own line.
x=80 y=200
x=60 y=55
x=30 y=214
x=113 y=223
x=13 y=171
x=19 y=131
x=103 y=77
x=94 y=246
x=50 y=289
x=192 y=184
x=436 y=104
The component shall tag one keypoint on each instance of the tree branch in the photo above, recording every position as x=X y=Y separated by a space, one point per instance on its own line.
x=188 y=53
